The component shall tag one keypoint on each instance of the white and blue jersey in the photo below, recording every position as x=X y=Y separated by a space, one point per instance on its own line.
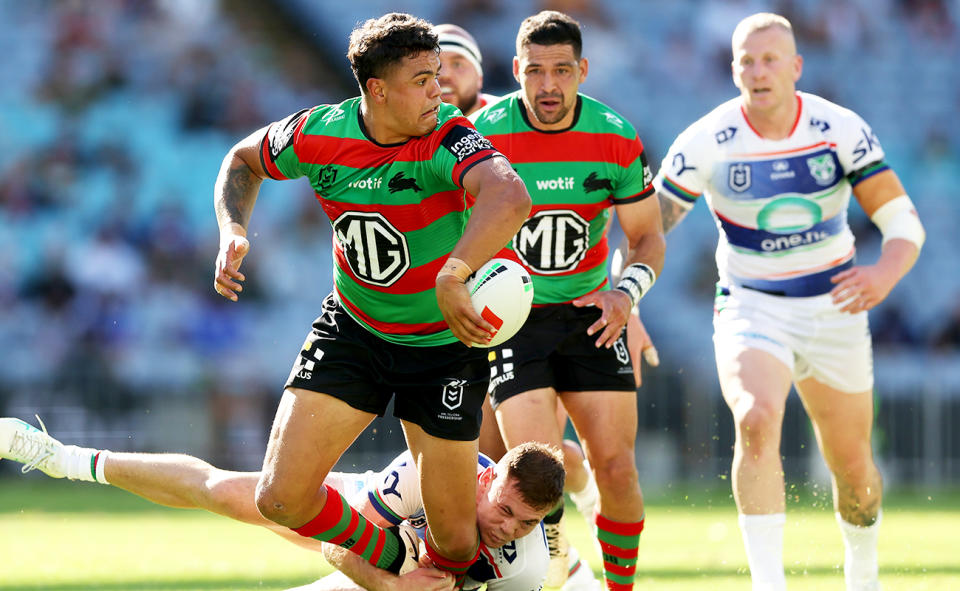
x=520 y=565
x=780 y=205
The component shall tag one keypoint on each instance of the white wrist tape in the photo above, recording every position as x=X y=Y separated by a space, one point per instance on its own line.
x=898 y=218
x=635 y=281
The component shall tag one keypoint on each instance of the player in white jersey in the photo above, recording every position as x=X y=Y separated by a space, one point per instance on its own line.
x=777 y=168
x=513 y=556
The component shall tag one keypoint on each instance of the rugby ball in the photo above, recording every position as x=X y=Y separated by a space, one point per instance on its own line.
x=502 y=292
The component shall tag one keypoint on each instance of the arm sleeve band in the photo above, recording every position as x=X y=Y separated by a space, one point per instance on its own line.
x=898 y=218
x=635 y=281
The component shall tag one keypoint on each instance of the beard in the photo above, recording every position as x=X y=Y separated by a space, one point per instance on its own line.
x=550 y=118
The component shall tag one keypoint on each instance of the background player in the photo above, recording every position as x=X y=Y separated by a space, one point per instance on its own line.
x=461 y=70
x=578 y=158
x=777 y=168
x=399 y=305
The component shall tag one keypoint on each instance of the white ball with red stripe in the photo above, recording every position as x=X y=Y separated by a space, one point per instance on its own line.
x=502 y=293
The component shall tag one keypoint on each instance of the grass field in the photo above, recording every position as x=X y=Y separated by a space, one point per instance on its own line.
x=66 y=536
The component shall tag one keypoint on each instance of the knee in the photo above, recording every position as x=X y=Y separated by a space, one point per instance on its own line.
x=854 y=467
x=758 y=422
x=458 y=545
x=280 y=506
x=617 y=474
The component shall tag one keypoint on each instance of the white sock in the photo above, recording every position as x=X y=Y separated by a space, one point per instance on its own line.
x=860 y=568
x=763 y=541
x=84 y=463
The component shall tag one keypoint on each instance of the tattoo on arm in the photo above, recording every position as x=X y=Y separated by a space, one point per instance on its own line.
x=671 y=212
x=236 y=194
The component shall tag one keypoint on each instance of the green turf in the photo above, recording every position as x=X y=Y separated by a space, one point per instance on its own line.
x=66 y=536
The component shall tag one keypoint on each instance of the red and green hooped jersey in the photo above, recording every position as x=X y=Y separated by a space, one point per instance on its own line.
x=573 y=176
x=397 y=210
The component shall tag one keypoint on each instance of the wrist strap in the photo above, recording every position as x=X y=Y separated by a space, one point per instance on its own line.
x=456 y=267
x=635 y=281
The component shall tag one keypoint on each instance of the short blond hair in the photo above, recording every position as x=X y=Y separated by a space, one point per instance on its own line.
x=760 y=22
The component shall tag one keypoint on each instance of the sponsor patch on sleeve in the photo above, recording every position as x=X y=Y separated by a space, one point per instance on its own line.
x=463 y=142
x=280 y=134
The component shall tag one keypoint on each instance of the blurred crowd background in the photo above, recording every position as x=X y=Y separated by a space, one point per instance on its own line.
x=115 y=116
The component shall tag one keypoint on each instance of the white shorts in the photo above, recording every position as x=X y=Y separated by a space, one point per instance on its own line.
x=809 y=335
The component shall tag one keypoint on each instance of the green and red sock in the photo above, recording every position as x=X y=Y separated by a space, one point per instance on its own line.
x=339 y=523
x=457 y=568
x=619 y=543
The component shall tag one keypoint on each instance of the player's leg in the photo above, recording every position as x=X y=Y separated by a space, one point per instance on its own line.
x=755 y=386
x=310 y=432
x=439 y=394
x=843 y=422
x=448 y=477
x=607 y=425
x=332 y=394
x=577 y=474
x=491 y=442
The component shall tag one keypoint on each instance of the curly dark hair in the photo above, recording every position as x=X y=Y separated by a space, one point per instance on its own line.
x=536 y=470
x=380 y=43
x=549 y=27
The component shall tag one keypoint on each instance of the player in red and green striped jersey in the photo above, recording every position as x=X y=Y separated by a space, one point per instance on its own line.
x=392 y=170
x=579 y=160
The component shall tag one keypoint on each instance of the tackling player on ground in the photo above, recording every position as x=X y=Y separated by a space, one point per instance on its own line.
x=392 y=169
x=579 y=159
x=512 y=496
x=777 y=168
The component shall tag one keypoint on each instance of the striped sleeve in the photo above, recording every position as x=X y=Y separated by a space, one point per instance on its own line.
x=278 y=147
x=685 y=170
x=636 y=183
x=463 y=147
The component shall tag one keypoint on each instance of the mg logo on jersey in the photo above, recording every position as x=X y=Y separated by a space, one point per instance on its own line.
x=552 y=241
x=376 y=251
x=453 y=394
x=822 y=169
x=739 y=177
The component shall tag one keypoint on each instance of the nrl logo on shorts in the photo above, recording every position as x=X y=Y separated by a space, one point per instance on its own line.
x=822 y=169
x=620 y=348
x=740 y=177
x=453 y=394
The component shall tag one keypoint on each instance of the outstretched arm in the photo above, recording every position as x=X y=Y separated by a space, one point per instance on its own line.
x=360 y=574
x=234 y=196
